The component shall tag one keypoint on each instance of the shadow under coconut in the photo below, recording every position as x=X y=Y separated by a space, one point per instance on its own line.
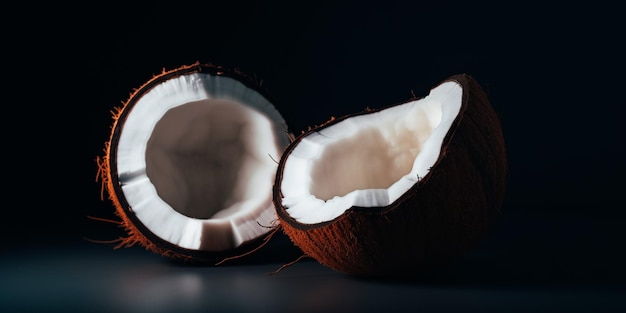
x=538 y=252
x=277 y=250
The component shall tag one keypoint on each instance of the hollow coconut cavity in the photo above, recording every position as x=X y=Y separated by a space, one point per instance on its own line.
x=399 y=191
x=190 y=163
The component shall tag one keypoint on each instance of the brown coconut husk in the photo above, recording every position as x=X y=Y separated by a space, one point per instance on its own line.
x=433 y=224
x=137 y=233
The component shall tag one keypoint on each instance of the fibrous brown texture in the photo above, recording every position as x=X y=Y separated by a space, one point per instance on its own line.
x=136 y=232
x=434 y=223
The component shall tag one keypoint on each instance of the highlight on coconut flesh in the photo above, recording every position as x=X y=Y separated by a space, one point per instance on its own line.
x=191 y=162
x=399 y=191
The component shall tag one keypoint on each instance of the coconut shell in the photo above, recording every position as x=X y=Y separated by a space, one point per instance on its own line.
x=436 y=222
x=136 y=232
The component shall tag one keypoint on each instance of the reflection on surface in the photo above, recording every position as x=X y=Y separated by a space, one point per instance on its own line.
x=528 y=264
x=157 y=289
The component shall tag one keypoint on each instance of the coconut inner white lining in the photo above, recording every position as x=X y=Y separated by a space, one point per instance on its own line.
x=215 y=147
x=368 y=160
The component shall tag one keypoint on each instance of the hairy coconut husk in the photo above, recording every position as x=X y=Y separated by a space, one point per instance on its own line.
x=137 y=232
x=437 y=221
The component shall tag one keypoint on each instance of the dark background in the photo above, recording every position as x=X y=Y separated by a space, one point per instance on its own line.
x=554 y=75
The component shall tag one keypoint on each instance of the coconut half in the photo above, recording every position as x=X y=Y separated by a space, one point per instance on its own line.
x=190 y=163
x=399 y=191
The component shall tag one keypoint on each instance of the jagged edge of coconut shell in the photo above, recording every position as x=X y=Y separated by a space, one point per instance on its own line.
x=359 y=226
x=136 y=232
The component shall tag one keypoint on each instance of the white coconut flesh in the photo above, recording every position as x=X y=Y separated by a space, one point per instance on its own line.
x=367 y=160
x=196 y=161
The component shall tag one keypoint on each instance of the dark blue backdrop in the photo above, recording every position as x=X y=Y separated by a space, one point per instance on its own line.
x=554 y=76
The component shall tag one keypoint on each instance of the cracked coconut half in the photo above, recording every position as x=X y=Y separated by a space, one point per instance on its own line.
x=190 y=163
x=398 y=191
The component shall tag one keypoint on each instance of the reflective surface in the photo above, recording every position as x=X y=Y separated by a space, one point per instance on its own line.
x=527 y=264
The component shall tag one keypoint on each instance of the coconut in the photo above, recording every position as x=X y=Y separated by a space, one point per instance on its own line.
x=399 y=191
x=191 y=162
